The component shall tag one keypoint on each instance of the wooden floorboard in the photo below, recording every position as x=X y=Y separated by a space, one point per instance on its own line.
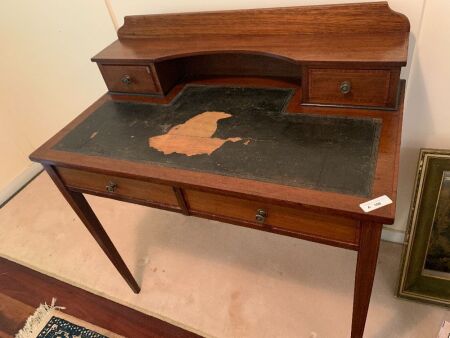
x=13 y=315
x=23 y=289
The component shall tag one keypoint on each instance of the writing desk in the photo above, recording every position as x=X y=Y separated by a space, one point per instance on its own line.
x=271 y=136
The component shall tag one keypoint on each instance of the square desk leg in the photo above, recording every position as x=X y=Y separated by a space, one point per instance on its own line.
x=90 y=220
x=365 y=272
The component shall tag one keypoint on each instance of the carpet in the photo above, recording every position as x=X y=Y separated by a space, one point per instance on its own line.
x=49 y=322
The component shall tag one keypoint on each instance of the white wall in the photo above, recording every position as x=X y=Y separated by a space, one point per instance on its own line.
x=48 y=58
x=46 y=77
x=16 y=169
x=426 y=120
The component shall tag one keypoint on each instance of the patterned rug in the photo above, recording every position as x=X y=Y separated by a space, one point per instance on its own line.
x=49 y=322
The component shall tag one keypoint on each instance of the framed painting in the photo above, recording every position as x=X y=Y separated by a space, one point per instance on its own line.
x=425 y=273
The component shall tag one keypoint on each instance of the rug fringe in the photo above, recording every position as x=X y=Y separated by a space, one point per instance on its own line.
x=41 y=316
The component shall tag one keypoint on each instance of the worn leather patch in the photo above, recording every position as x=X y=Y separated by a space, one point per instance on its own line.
x=251 y=137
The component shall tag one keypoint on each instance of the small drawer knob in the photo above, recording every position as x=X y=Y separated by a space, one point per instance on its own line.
x=126 y=79
x=111 y=186
x=261 y=215
x=345 y=87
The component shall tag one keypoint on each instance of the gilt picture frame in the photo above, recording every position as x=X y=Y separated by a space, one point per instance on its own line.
x=425 y=271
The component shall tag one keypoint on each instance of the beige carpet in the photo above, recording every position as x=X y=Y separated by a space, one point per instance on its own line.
x=212 y=278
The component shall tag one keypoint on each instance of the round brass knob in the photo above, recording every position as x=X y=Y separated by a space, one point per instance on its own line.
x=261 y=215
x=111 y=186
x=345 y=87
x=126 y=79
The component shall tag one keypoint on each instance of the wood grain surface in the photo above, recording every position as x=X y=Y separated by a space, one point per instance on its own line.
x=369 y=87
x=374 y=17
x=140 y=78
x=348 y=33
x=368 y=48
x=336 y=229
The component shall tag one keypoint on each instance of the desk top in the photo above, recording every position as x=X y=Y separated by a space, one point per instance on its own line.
x=239 y=132
x=326 y=198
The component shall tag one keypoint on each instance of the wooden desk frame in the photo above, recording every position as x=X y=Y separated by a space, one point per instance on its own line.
x=320 y=207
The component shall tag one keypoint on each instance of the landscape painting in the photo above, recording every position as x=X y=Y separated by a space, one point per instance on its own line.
x=437 y=260
x=425 y=273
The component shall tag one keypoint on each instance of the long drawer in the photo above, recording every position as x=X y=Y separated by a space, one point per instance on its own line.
x=333 y=227
x=118 y=186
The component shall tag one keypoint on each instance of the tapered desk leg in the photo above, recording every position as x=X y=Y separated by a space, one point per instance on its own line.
x=365 y=273
x=90 y=220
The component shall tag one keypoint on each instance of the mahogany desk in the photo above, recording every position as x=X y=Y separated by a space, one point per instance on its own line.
x=282 y=120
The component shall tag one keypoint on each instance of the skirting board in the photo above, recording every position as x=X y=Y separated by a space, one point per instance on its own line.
x=17 y=183
x=392 y=235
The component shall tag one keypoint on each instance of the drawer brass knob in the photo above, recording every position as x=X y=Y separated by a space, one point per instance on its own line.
x=126 y=79
x=261 y=215
x=111 y=186
x=345 y=87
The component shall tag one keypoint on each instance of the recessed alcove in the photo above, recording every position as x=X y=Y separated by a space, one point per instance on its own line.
x=223 y=64
x=240 y=64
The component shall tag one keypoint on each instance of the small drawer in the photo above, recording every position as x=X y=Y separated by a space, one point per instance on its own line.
x=332 y=227
x=118 y=186
x=129 y=79
x=358 y=87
